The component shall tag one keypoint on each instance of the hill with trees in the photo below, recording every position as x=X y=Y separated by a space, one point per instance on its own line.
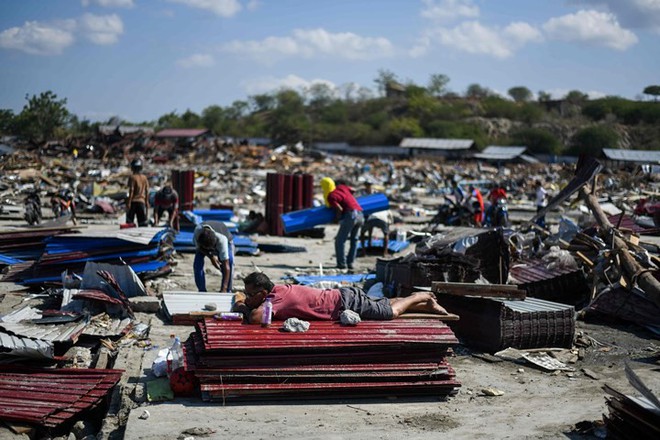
x=572 y=125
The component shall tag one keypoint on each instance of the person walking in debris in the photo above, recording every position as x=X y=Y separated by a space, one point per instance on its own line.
x=167 y=200
x=475 y=202
x=541 y=202
x=349 y=213
x=457 y=192
x=303 y=302
x=64 y=204
x=378 y=220
x=137 y=204
x=212 y=239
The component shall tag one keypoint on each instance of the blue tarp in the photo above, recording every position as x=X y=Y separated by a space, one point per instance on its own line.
x=5 y=259
x=347 y=278
x=393 y=245
x=138 y=268
x=308 y=218
x=183 y=243
x=214 y=214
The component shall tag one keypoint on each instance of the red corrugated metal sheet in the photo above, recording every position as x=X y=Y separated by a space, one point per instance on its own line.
x=534 y=269
x=51 y=397
x=373 y=358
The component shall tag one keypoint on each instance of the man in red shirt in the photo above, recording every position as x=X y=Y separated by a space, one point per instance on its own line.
x=302 y=302
x=351 y=219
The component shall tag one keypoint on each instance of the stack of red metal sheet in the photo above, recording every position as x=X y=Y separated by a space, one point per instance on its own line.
x=286 y=193
x=399 y=357
x=183 y=182
x=51 y=397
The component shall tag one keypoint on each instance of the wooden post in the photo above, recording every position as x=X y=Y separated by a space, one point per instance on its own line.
x=645 y=278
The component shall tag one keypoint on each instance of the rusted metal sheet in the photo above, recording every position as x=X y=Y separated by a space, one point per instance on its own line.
x=51 y=397
x=395 y=357
x=561 y=284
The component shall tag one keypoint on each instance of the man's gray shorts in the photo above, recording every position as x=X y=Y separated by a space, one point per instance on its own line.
x=356 y=299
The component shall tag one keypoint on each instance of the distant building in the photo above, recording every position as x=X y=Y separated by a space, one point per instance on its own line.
x=506 y=154
x=447 y=148
x=123 y=130
x=618 y=157
x=360 y=150
x=183 y=134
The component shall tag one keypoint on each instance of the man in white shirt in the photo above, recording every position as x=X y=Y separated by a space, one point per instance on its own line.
x=381 y=220
x=212 y=239
x=541 y=202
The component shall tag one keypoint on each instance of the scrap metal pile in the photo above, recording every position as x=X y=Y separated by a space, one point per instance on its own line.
x=374 y=358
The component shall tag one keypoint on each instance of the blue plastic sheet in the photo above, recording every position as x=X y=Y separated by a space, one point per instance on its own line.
x=392 y=246
x=308 y=218
x=183 y=242
x=5 y=259
x=214 y=214
x=347 y=278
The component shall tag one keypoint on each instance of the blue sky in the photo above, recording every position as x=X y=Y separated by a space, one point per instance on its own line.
x=140 y=59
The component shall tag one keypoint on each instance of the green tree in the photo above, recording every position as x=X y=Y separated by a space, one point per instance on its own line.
x=262 y=103
x=384 y=79
x=399 y=128
x=213 y=118
x=438 y=84
x=520 y=93
x=653 y=91
x=537 y=140
x=169 y=120
x=576 y=97
x=42 y=116
x=591 y=140
x=477 y=91
x=190 y=119
x=7 y=121
x=544 y=96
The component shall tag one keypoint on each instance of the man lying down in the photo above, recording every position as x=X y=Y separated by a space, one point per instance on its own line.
x=308 y=303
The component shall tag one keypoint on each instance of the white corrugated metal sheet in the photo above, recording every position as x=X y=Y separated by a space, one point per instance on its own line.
x=437 y=144
x=13 y=347
x=46 y=332
x=184 y=302
x=134 y=235
x=632 y=155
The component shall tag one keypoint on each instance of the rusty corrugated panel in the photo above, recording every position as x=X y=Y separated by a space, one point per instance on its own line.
x=401 y=357
x=51 y=397
x=534 y=269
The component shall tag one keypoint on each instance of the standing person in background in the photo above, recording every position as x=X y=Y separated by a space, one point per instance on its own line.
x=212 y=239
x=475 y=203
x=327 y=185
x=381 y=220
x=349 y=213
x=137 y=204
x=457 y=192
x=541 y=202
x=167 y=200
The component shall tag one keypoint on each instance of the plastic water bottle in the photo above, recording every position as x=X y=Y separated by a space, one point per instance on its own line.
x=175 y=357
x=267 y=313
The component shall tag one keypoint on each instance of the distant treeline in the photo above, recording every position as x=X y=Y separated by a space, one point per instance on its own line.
x=572 y=125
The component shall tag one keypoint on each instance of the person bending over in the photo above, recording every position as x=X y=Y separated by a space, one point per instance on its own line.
x=308 y=303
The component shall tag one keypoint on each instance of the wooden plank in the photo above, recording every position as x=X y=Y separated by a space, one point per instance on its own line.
x=447 y=317
x=483 y=290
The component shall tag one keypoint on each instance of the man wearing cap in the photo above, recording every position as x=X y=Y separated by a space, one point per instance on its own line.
x=212 y=239
x=167 y=200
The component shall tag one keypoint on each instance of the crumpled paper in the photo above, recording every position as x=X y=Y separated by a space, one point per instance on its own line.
x=295 y=325
x=349 y=317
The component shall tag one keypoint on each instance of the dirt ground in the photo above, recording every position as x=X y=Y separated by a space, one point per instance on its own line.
x=535 y=404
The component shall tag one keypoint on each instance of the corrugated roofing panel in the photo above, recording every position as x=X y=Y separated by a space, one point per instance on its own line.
x=18 y=347
x=183 y=302
x=534 y=270
x=437 y=144
x=47 y=332
x=182 y=132
x=632 y=155
x=496 y=149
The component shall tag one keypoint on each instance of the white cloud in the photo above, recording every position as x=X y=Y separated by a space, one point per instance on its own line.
x=110 y=3
x=592 y=27
x=197 y=60
x=475 y=38
x=222 y=8
x=314 y=42
x=101 y=29
x=39 y=38
x=639 y=14
x=447 y=10
x=271 y=83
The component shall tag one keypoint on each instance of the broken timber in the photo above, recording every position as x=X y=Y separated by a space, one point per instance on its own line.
x=645 y=279
x=507 y=291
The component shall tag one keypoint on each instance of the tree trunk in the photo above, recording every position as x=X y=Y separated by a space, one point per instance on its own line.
x=646 y=281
